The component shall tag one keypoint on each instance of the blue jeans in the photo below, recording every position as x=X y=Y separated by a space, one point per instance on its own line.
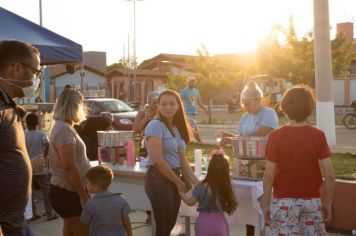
x=165 y=200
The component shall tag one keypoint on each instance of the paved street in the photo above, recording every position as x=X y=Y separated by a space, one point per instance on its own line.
x=345 y=138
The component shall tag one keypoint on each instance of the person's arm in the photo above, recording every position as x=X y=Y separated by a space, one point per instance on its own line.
x=201 y=104
x=45 y=142
x=226 y=138
x=45 y=149
x=260 y=132
x=190 y=201
x=66 y=155
x=37 y=163
x=140 y=122
x=268 y=179
x=188 y=170
x=156 y=153
x=328 y=188
x=127 y=224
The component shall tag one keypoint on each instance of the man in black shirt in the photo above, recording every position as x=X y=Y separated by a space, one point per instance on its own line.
x=19 y=72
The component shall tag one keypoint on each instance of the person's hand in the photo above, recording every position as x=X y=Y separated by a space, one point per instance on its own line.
x=327 y=214
x=38 y=163
x=224 y=141
x=181 y=187
x=267 y=216
x=83 y=200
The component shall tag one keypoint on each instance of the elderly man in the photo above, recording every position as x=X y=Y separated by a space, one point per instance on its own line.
x=191 y=98
x=19 y=71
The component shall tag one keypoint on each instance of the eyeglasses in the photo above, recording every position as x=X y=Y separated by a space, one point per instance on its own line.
x=35 y=71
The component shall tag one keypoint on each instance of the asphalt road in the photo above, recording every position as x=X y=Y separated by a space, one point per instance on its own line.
x=225 y=121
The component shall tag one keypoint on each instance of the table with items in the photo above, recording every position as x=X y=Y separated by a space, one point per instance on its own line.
x=129 y=180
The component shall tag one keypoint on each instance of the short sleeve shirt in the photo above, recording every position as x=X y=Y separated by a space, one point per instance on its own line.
x=296 y=151
x=250 y=123
x=172 y=145
x=35 y=141
x=190 y=97
x=204 y=199
x=63 y=134
x=15 y=167
x=104 y=212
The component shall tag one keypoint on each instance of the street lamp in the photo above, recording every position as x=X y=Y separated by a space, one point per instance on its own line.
x=134 y=43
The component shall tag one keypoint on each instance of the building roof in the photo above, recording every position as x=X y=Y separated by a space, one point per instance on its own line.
x=174 y=59
x=57 y=71
x=139 y=72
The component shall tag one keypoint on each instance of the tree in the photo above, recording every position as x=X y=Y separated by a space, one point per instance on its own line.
x=123 y=63
x=212 y=76
x=283 y=55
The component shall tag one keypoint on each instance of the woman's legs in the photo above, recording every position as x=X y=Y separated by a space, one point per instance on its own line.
x=73 y=227
x=165 y=201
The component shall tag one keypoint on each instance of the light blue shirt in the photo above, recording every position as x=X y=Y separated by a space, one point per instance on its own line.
x=190 y=97
x=172 y=146
x=250 y=123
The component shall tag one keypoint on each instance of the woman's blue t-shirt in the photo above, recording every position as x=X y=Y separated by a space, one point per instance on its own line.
x=250 y=123
x=172 y=146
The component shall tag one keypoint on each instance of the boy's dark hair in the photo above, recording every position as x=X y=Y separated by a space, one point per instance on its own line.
x=101 y=176
x=298 y=102
x=31 y=120
x=219 y=182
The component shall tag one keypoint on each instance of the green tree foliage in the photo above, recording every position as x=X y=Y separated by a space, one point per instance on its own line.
x=213 y=76
x=123 y=63
x=283 y=55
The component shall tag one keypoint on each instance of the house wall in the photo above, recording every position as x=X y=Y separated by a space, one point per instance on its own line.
x=339 y=91
x=92 y=81
x=344 y=90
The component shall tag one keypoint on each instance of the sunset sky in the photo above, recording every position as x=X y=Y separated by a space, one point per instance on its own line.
x=174 y=26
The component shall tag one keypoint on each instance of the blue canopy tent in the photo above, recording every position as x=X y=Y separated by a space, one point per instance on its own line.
x=54 y=48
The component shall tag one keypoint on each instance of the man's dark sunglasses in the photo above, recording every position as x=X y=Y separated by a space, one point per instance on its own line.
x=34 y=70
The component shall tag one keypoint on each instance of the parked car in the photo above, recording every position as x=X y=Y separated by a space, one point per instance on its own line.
x=124 y=115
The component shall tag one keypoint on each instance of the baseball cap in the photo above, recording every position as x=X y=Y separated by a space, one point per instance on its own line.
x=191 y=78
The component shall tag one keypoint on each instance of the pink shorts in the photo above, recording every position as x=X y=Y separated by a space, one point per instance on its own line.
x=296 y=215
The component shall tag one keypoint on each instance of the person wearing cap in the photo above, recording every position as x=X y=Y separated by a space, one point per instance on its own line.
x=257 y=121
x=149 y=111
x=191 y=98
x=140 y=123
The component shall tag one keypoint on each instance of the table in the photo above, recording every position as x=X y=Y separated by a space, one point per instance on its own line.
x=130 y=181
x=248 y=211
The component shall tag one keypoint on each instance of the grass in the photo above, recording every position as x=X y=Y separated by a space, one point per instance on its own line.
x=344 y=164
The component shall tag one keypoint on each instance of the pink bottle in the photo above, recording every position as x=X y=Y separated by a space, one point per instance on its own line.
x=130 y=153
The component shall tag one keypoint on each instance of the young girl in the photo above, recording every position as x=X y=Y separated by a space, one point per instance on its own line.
x=215 y=196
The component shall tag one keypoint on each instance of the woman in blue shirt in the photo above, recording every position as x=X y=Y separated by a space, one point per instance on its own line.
x=257 y=121
x=166 y=137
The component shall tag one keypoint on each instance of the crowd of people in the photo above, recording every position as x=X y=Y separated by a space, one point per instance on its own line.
x=300 y=202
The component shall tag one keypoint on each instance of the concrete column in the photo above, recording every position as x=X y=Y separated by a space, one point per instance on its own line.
x=323 y=71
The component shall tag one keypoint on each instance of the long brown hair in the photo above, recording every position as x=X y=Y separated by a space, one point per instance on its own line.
x=219 y=182
x=179 y=119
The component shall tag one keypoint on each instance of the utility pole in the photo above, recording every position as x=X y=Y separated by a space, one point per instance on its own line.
x=325 y=112
x=134 y=47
